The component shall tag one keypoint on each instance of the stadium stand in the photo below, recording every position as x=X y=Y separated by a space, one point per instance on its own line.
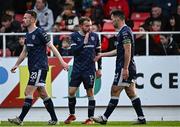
x=108 y=26
x=19 y=17
x=139 y=18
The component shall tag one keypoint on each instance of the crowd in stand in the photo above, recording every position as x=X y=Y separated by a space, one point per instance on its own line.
x=63 y=15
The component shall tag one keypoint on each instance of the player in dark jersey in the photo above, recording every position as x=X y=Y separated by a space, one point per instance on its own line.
x=85 y=46
x=35 y=49
x=125 y=72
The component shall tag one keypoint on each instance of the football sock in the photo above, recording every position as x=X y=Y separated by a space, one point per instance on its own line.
x=136 y=102
x=111 y=106
x=50 y=108
x=25 y=108
x=91 y=107
x=72 y=103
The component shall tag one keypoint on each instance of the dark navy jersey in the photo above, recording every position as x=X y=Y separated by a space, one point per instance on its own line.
x=84 y=54
x=35 y=43
x=124 y=36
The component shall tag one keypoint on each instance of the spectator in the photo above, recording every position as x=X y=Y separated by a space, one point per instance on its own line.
x=56 y=38
x=94 y=28
x=67 y=20
x=154 y=39
x=177 y=26
x=168 y=46
x=8 y=26
x=172 y=23
x=65 y=50
x=11 y=12
x=88 y=12
x=97 y=13
x=140 y=41
x=177 y=17
x=114 y=5
x=19 y=49
x=156 y=13
x=15 y=24
x=44 y=15
x=4 y=5
x=168 y=6
x=77 y=6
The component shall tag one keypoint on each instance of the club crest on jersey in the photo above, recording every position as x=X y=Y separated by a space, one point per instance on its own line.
x=33 y=37
x=92 y=38
x=78 y=39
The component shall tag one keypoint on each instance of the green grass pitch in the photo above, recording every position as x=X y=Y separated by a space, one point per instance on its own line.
x=109 y=124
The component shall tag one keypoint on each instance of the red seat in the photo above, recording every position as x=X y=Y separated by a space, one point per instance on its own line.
x=139 y=16
x=108 y=26
x=137 y=24
x=8 y=52
x=19 y=17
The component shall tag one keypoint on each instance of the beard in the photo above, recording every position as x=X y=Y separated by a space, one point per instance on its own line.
x=86 y=31
x=116 y=26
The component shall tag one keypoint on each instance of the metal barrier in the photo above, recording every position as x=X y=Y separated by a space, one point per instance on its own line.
x=99 y=34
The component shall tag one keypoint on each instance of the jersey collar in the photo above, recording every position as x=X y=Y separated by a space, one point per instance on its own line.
x=121 y=27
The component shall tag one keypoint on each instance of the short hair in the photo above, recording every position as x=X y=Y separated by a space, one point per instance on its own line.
x=83 y=19
x=119 y=14
x=44 y=1
x=68 y=7
x=157 y=20
x=32 y=13
x=145 y=26
x=166 y=35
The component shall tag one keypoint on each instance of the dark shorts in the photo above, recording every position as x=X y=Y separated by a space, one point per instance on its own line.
x=37 y=78
x=86 y=77
x=119 y=81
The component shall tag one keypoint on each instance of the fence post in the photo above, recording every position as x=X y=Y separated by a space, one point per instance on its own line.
x=4 y=45
x=52 y=41
x=147 y=44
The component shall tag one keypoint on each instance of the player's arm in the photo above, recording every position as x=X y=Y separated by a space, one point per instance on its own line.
x=106 y=54
x=109 y=54
x=22 y=56
x=127 y=55
x=76 y=48
x=98 y=51
x=99 y=62
x=57 y=54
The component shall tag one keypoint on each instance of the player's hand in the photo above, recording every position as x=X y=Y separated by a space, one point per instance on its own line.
x=97 y=57
x=125 y=73
x=98 y=73
x=65 y=66
x=86 y=38
x=13 y=70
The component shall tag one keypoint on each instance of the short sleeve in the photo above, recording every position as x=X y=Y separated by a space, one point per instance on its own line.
x=44 y=37
x=126 y=38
